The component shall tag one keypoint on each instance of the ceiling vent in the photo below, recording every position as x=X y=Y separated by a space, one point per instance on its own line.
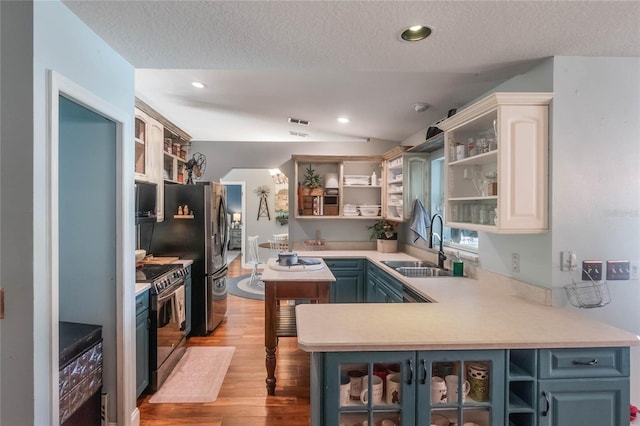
x=299 y=121
x=299 y=134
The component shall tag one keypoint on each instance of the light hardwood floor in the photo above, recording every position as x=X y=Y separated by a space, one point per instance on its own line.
x=243 y=398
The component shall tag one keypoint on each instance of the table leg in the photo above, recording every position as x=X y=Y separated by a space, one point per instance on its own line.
x=270 y=339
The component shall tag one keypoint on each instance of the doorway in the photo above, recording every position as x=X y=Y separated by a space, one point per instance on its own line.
x=97 y=189
x=256 y=219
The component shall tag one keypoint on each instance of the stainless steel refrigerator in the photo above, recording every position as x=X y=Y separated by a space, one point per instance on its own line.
x=202 y=238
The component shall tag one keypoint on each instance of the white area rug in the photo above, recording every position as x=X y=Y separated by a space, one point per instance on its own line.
x=197 y=377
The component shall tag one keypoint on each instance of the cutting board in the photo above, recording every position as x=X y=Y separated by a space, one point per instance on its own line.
x=160 y=260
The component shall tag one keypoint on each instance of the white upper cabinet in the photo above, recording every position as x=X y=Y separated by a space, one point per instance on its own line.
x=407 y=177
x=496 y=177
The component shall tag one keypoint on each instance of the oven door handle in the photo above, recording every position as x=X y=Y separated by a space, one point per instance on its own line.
x=171 y=294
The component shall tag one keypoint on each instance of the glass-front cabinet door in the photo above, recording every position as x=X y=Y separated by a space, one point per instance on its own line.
x=370 y=388
x=460 y=387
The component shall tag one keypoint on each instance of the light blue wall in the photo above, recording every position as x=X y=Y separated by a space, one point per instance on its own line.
x=495 y=250
x=87 y=196
x=37 y=37
x=234 y=198
x=596 y=180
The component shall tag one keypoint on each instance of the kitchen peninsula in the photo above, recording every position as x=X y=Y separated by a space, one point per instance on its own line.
x=545 y=366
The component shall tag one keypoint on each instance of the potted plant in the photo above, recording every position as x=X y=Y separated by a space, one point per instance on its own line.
x=282 y=217
x=386 y=234
x=311 y=181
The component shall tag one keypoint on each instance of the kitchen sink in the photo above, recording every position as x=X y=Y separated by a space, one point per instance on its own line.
x=417 y=268
x=407 y=264
x=423 y=271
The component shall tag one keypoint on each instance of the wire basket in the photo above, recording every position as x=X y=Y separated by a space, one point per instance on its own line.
x=588 y=294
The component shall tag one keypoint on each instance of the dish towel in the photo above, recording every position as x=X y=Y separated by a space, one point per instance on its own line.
x=179 y=307
x=419 y=221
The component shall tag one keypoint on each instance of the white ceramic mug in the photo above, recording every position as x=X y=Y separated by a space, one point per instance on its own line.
x=438 y=390
x=452 y=388
x=355 y=380
x=345 y=389
x=377 y=389
x=394 y=383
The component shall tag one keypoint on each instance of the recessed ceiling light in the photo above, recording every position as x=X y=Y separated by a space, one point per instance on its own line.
x=416 y=33
x=421 y=106
x=198 y=85
x=343 y=120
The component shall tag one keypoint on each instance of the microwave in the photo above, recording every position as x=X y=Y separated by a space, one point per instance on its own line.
x=146 y=202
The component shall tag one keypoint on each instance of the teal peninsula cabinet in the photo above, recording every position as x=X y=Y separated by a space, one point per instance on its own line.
x=463 y=360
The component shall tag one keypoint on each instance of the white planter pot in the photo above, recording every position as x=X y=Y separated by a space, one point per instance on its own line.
x=387 y=246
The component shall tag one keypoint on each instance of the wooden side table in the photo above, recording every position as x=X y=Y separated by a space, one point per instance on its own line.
x=279 y=318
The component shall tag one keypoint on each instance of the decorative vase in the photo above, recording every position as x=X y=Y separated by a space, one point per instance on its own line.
x=387 y=246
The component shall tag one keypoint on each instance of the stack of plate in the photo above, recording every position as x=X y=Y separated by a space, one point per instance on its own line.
x=369 y=210
x=357 y=180
x=350 y=210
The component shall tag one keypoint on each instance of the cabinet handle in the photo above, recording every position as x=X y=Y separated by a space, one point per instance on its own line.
x=587 y=363
x=410 y=378
x=545 y=413
x=423 y=364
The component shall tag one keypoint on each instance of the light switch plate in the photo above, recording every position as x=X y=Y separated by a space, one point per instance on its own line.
x=618 y=270
x=592 y=270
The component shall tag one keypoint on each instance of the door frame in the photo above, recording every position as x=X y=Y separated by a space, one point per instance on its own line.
x=58 y=85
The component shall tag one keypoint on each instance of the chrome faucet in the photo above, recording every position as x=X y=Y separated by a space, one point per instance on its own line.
x=441 y=255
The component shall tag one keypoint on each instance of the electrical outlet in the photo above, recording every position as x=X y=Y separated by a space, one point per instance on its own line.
x=515 y=262
x=618 y=270
x=634 y=273
x=592 y=270
x=568 y=261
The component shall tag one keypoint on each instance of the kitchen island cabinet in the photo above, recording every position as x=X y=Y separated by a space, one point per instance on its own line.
x=297 y=282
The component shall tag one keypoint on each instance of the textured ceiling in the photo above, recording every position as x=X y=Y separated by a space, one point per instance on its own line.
x=264 y=61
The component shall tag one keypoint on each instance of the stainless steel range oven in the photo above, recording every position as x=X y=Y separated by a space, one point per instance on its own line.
x=167 y=334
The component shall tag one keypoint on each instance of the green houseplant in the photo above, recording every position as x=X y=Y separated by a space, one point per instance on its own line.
x=311 y=181
x=386 y=234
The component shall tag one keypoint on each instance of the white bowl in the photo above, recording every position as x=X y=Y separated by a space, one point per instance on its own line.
x=140 y=254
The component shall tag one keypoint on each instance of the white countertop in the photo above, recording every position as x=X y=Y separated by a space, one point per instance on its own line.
x=142 y=287
x=305 y=274
x=469 y=314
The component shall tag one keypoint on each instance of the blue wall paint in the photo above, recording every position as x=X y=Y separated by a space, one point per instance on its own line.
x=234 y=198
x=87 y=220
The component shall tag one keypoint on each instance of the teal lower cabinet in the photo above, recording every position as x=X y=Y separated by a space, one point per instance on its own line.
x=187 y=301
x=568 y=387
x=142 y=342
x=382 y=287
x=349 y=284
x=409 y=388
x=512 y=387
